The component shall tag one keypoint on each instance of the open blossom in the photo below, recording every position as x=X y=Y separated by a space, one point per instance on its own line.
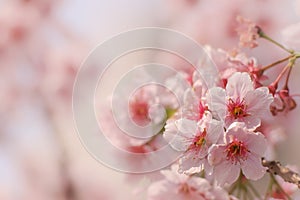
x=194 y=106
x=177 y=186
x=242 y=150
x=17 y=25
x=143 y=112
x=194 y=138
x=228 y=63
x=248 y=32
x=240 y=101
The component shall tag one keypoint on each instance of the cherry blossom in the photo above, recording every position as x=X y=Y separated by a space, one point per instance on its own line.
x=240 y=101
x=183 y=187
x=242 y=150
x=220 y=119
x=17 y=25
x=194 y=107
x=228 y=63
x=248 y=32
x=194 y=138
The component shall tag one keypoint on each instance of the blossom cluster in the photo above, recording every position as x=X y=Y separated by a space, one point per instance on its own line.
x=220 y=123
x=222 y=127
x=220 y=136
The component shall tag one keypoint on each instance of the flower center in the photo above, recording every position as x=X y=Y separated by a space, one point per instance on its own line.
x=236 y=151
x=199 y=140
x=237 y=109
x=139 y=112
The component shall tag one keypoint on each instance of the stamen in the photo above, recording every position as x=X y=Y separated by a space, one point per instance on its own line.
x=199 y=140
x=237 y=109
x=236 y=151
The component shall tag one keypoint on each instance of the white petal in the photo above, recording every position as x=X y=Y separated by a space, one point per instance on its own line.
x=208 y=71
x=226 y=172
x=187 y=162
x=216 y=154
x=215 y=131
x=258 y=101
x=256 y=143
x=190 y=108
x=177 y=140
x=251 y=122
x=157 y=114
x=252 y=167
x=216 y=99
x=239 y=84
x=186 y=127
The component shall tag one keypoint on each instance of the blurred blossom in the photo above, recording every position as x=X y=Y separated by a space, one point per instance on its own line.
x=58 y=73
x=43 y=6
x=41 y=51
x=183 y=187
x=17 y=24
x=248 y=32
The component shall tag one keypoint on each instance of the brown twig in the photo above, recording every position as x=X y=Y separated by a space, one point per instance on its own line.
x=285 y=173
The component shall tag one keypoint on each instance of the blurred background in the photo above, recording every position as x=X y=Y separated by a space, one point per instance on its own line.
x=43 y=43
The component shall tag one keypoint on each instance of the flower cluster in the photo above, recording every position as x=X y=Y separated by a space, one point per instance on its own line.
x=224 y=129
x=220 y=134
x=221 y=116
x=180 y=186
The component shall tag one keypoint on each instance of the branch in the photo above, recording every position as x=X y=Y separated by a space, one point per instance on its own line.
x=285 y=173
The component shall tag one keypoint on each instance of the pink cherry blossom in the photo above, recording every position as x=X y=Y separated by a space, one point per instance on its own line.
x=228 y=63
x=177 y=186
x=240 y=101
x=248 y=32
x=194 y=138
x=17 y=25
x=139 y=106
x=44 y=7
x=194 y=106
x=242 y=150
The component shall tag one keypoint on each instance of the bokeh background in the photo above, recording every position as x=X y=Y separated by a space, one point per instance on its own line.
x=42 y=45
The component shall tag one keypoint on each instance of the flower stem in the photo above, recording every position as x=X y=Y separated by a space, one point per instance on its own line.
x=233 y=188
x=275 y=63
x=244 y=189
x=292 y=62
x=263 y=35
x=275 y=83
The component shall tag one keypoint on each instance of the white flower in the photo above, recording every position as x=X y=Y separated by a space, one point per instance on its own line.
x=239 y=101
